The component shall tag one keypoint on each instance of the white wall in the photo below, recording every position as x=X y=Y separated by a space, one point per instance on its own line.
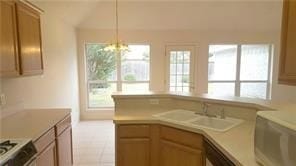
x=158 y=39
x=58 y=86
x=201 y=23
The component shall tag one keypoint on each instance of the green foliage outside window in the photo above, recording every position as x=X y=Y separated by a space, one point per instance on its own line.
x=101 y=64
x=129 y=77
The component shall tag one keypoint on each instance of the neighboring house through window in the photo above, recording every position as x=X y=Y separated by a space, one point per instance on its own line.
x=240 y=70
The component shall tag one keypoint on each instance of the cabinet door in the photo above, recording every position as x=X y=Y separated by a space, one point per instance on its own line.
x=9 y=65
x=47 y=157
x=287 y=72
x=173 y=154
x=30 y=49
x=64 y=148
x=133 y=152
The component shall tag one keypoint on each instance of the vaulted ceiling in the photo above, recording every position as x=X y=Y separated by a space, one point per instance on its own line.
x=169 y=14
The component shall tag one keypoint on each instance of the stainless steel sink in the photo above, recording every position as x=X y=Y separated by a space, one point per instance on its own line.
x=189 y=118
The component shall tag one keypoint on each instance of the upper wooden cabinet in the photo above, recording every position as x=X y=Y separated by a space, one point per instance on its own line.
x=9 y=63
x=29 y=40
x=287 y=70
x=21 y=48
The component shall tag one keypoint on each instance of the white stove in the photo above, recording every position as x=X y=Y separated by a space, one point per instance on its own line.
x=16 y=152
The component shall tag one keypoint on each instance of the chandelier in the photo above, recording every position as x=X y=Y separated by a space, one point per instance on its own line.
x=117 y=46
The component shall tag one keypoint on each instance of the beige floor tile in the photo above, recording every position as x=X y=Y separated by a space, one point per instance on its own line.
x=93 y=143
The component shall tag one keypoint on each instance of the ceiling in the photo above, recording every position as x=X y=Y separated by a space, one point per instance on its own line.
x=168 y=14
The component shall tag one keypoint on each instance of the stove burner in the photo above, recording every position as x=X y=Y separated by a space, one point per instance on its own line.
x=2 y=150
x=6 y=146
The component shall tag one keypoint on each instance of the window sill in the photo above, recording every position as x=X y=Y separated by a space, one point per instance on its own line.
x=101 y=109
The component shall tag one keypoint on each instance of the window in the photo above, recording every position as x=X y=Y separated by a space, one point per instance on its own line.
x=180 y=68
x=108 y=72
x=240 y=70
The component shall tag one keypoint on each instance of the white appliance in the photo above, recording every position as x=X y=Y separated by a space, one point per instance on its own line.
x=17 y=152
x=275 y=138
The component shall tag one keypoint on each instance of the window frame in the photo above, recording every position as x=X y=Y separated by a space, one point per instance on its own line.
x=191 y=49
x=237 y=82
x=118 y=80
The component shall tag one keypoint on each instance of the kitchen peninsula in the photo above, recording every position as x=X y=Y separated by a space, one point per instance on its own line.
x=138 y=128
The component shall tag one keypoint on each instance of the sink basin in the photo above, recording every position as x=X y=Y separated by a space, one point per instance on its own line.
x=189 y=118
x=216 y=123
x=177 y=115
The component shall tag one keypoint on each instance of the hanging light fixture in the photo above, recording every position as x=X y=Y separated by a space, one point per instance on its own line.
x=118 y=46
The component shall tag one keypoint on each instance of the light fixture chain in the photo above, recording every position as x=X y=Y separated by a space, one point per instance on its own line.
x=117 y=46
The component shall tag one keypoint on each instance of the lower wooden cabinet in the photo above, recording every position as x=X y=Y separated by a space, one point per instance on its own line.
x=173 y=154
x=64 y=148
x=63 y=133
x=134 y=152
x=48 y=156
x=157 y=145
x=54 y=147
x=133 y=144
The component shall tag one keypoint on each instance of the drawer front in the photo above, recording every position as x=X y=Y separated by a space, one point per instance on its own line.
x=42 y=142
x=182 y=137
x=133 y=131
x=61 y=126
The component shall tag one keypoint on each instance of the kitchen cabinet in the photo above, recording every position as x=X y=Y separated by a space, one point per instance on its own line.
x=180 y=148
x=133 y=145
x=287 y=70
x=157 y=145
x=172 y=154
x=9 y=63
x=54 y=148
x=21 y=48
x=134 y=152
x=29 y=40
x=46 y=149
x=48 y=156
x=64 y=142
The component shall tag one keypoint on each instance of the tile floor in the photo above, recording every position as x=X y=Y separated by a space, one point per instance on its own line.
x=93 y=143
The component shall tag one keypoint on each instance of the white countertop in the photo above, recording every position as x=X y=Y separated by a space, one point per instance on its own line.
x=31 y=124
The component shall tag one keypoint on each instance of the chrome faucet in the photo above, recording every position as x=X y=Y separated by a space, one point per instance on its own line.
x=205 y=107
x=222 y=114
